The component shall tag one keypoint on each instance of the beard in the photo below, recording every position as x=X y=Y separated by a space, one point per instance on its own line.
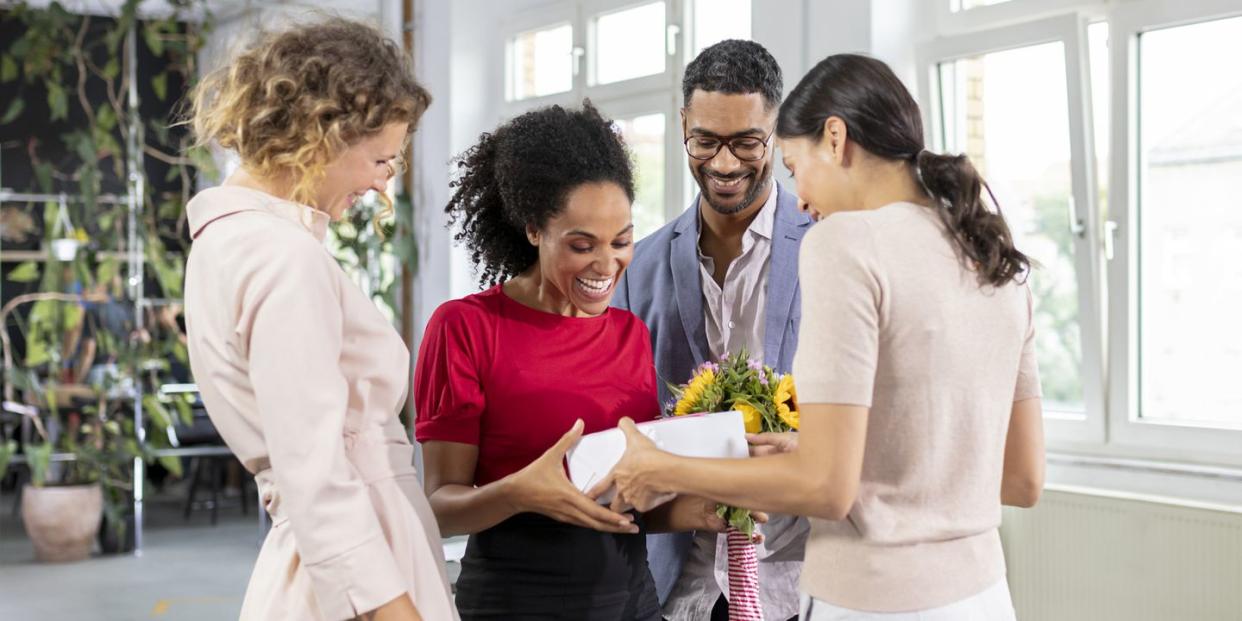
x=757 y=186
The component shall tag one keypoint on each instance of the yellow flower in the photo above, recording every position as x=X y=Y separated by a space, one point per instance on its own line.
x=790 y=417
x=786 y=400
x=694 y=391
x=751 y=417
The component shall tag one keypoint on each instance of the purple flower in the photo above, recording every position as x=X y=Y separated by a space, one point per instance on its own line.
x=763 y=379
x=754 y=365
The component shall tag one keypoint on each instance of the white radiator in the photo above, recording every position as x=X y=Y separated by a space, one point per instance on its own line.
x=1097 y=556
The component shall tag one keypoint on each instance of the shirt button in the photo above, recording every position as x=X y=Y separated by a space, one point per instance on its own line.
x=730 y=325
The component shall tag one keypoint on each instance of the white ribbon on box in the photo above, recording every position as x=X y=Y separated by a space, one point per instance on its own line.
x=719 y=434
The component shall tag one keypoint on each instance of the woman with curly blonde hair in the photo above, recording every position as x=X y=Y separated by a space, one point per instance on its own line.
x=301 y=374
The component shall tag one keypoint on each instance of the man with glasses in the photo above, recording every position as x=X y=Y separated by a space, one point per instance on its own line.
x=720 y=279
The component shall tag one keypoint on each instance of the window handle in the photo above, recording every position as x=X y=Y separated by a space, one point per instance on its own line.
x=1110 y=239
x=578 y=53
x=1077 y=228
x=672 y=32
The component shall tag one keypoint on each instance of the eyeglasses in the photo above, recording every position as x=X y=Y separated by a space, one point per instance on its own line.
x=745 y=148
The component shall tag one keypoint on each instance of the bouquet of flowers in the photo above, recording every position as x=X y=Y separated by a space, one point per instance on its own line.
x=768 y=403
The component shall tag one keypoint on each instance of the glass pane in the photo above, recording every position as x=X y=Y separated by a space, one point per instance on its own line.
x=645 y=137
x=1190 y=225
x=629 y=44
x=1007 y=111
x=966 y=5
x=542 y=62
x=718 y=20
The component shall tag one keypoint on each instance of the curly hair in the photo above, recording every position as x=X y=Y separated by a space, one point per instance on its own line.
x=737 y=67
x=292 y=102
x=521 y=174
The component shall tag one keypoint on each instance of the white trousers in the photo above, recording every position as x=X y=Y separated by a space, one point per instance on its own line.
x=992 y=604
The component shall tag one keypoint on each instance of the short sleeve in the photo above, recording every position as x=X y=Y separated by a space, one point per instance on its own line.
x=839 y=336
x=1028 y=385
x=448 y=389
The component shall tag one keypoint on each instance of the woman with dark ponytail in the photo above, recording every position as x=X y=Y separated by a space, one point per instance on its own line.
x=508 y=379
x=920 y=396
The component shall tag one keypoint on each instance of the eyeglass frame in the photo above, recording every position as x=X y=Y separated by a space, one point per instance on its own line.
x=728 y=142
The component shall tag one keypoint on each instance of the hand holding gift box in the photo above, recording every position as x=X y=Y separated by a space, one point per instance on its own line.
x=768 y=404
x=720 y=434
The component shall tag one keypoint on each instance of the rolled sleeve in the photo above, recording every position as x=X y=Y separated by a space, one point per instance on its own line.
x=839 y=340
x=294 y=347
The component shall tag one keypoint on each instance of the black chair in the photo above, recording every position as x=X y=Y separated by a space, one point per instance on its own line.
x=209 y=468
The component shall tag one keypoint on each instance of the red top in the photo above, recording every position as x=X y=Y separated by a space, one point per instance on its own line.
x=512 y=380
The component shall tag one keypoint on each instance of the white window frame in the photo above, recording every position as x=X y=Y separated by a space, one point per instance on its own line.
x=539 y=19
x=1067 y=430
x=1179 y=441
x=637 y=96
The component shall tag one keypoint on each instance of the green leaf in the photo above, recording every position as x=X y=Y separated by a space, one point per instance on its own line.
x=14 y=110
x=160 y=85
x=107 y=270
x=8 y=69
x=105 y=117
x=112 y=68
x=43 y=174
x=172 y=464
x=159 y=414
x=26 y=272
x=151 y=34
x=57 y=101
x=7 y=449
x=38 y=456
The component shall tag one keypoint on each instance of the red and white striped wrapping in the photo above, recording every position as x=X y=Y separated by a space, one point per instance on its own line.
x=743 y=578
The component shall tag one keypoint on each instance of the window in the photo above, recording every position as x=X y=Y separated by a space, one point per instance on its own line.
x=629 y=43
x=645 y=137
x=1131 y=165
x=1009 y=99
x=628 y=58
x=1190 y=225
x=541 y=62
x=717 y=21
x=1007 y=111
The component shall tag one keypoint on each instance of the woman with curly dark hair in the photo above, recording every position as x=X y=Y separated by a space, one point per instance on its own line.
x=300 y=373
x=508 y=379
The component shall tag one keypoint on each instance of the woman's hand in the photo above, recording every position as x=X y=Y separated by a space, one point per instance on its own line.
x=699 y=514
x=542 y=487
x=772 y=443
x=632 y=475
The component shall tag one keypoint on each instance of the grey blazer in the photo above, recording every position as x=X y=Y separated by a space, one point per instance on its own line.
x=662 y=287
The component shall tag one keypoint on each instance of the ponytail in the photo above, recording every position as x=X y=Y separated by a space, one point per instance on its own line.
x=883 y=118
x=982 y=236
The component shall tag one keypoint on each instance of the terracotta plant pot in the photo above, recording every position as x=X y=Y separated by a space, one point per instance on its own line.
x=62 y=521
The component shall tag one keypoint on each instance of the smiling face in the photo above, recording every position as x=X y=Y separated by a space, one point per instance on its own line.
x=730 y=185
x=364 y=166
x=584 y=250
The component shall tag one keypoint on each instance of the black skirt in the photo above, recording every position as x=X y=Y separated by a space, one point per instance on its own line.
x=534 y=567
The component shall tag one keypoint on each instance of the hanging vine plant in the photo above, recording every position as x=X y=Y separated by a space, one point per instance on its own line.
x=66 y=82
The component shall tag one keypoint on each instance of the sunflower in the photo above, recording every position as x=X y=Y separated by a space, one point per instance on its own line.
x=786 y=400
x=689 y=401
x=751 y=417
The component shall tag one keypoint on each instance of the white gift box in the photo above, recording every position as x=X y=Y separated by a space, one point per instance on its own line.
x=720 y=434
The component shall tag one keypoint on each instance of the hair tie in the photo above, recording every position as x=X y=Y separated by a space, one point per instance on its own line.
x=918 y=172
